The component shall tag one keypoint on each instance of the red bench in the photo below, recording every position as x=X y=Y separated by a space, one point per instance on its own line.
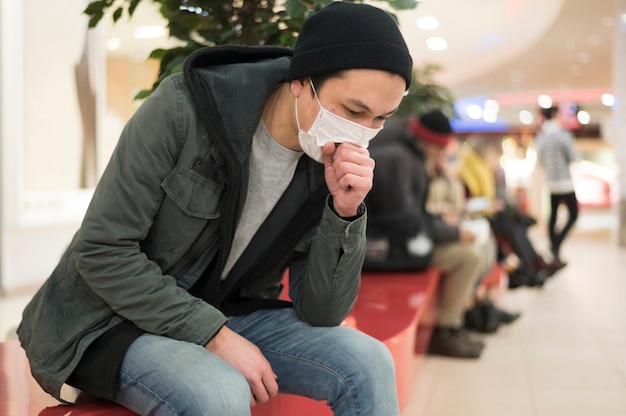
x=20 y=395
x=397 y=308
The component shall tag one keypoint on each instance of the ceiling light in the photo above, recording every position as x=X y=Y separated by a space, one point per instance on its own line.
x=583 y=117
x=623 y=18
x=474 y=111
x=607 y=99
x=492 y=106
x=427 y=23
x=525 y=117
x=437 y=44
x=149 y=32
x=490 y=116
x=544 y=101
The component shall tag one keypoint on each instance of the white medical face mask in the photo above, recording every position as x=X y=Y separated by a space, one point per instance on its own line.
x=329 y=127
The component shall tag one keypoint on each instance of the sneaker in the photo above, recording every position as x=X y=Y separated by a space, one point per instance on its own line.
x=452 y=342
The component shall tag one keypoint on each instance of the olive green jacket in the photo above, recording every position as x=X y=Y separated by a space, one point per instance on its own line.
x=153 y=225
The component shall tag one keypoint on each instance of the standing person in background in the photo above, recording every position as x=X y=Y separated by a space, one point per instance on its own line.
x=556 y=152
x=251 y=161
x=402 y=235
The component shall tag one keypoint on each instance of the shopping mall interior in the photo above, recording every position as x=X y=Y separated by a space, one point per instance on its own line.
x=502 y=59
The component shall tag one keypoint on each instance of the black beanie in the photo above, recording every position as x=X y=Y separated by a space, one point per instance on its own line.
x=350 y=36
x=432 y=127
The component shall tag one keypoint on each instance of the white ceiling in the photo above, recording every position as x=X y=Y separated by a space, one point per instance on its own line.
x=509 y=50
x=514 y=50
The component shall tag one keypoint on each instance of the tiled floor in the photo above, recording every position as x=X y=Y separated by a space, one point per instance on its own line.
x=566 y=355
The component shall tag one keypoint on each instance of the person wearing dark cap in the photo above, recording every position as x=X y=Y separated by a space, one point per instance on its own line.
x=251 y=162
x=403 y=235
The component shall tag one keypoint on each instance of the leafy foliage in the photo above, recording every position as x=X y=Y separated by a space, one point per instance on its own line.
x=199 y=23
x=425 y=94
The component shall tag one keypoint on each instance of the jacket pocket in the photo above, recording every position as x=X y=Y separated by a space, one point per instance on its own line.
x=194 y=194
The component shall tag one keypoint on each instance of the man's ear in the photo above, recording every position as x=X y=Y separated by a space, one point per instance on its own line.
x=297 y=86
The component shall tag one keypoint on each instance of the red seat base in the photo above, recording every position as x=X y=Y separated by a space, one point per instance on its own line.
x=20 y=395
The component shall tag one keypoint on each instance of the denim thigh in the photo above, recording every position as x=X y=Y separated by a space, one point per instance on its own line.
x=353 y=372
x=162 y=376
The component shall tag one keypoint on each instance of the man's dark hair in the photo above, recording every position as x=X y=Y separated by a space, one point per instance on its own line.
x=550 y=112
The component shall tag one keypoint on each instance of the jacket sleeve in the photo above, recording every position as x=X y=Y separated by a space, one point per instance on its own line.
x=108 y=253
x=327 y=281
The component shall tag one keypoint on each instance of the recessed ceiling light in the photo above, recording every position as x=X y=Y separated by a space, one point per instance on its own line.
x=427 y=23
x=525 y=117
x=544 y=101
x=583 y=117
x=474 y=111
x=437 y=44
x=607 y=99
x=492 y=106
x=490 y=117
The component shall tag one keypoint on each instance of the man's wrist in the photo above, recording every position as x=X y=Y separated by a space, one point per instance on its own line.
x=359 y=212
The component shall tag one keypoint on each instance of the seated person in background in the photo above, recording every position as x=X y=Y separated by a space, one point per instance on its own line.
x=508 y=223
x=402 y=235
x=446 y=197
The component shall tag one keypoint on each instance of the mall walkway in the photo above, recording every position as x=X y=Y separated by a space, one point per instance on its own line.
x=566 y=355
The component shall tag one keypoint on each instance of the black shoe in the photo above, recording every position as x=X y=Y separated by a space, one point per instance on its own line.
x=473 y=319
x=483 y=317
x=497 y=316
x=452 y=342
x=518 y=278
x=555 y=266
x=508 y=317
x=538 y=279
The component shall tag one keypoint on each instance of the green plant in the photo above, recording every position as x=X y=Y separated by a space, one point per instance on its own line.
x=199 y=23
x=426 y=94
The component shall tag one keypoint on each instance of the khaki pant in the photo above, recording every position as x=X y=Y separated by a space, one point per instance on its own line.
x=461 y=265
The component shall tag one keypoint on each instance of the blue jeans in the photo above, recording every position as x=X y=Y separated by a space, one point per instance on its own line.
x=352 y=371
